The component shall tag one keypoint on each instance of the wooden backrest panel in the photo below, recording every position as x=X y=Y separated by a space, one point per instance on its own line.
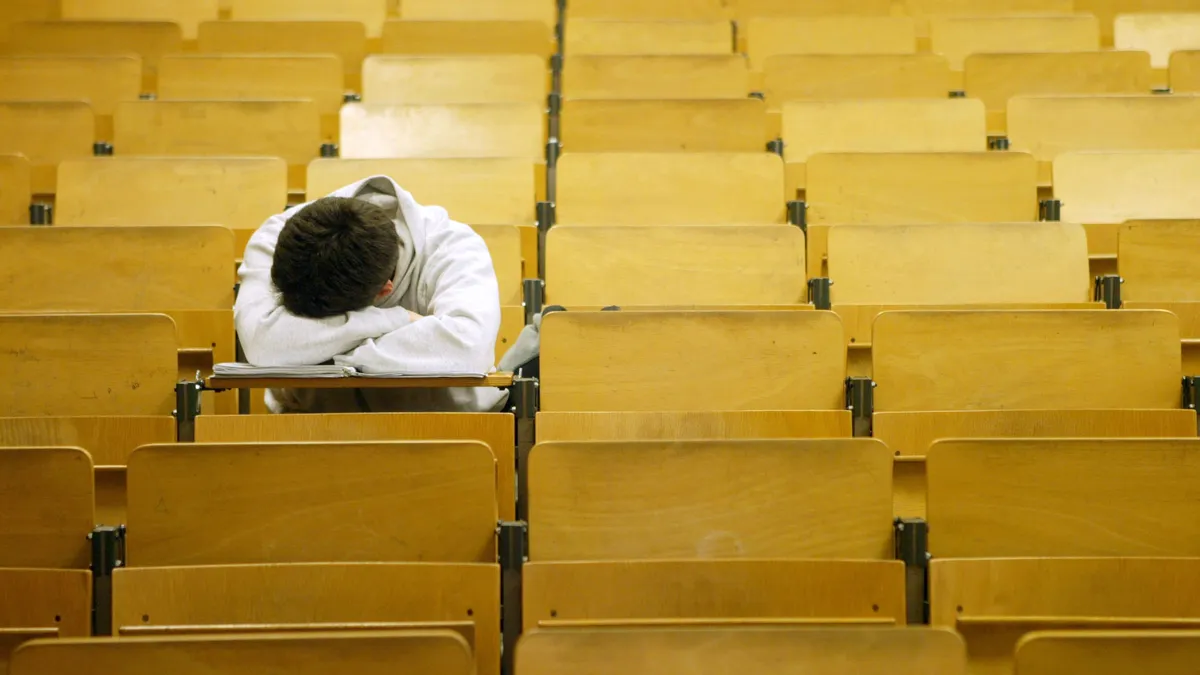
x=102 y=81
x=545 y=11
x=287 y=129
x=108 y=439
x=1108 y=652
x=362 y=653
x=235 y=192
x=670 y=189
x=43 y=602
x=16 y=189
x=46 y=132
x=663 y=10
x=87 y=364
x=758 y=8
x=440 y=80
x=1112 y=187
x=467 y=37
x=1158 y=34
x=957 y=37
x=196 y=504
x=1048 y=126
x=148 y=39
x=715 y=125
x=1077 y=497
x=656 y=77
x=708 y=651
x=609 y=38
x=1185 y=72
x=925 y=10
x=696 y=426
x=45 y=507
x=1053 y=359
x=370 y=13
x=767 y=37
x=887 y=125
x=474 y=130
x=115 y=269
x=984 y=263
x=187 y=13
x=1107 y=10
x=345 y=39
x=1157 y=260
x=683 y=265
x=709 y=499
x=899 y=189
x=253 y=77
x=496 y=191
x=792 y=77
x=692 y=361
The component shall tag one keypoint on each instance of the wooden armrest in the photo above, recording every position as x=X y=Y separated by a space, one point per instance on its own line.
x=715 y=622
x=1081 y=621
x=223 y=383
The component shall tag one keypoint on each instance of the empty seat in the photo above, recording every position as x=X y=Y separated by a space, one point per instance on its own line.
x=1156 y=261
x=787 y=78
x=608 y=38
x=596 y=266
x=428 y=131
x=1158 y=34
x=370 y=13
x=828 y=35
x=655 y=77
x=148 y=39
x=996 y=78
x=957 y=37
x=438 y=652
x=16 y=189
x=716 y=125
x=1095 y=533
x=345 y=39
x=437 y=80
x=707 y=651
x=46 y=132
x=101 y=81
x=545 y=11
x=468 y=37
x=1145 y=651
x=187 y=13
x=624 y=10
x=670 y=189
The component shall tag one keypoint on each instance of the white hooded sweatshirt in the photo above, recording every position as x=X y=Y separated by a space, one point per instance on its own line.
x=445 y=274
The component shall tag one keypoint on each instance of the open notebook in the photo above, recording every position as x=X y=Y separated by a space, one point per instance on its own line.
x=321 y=371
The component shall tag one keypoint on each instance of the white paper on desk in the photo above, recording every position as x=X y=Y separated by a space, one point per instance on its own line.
x=247 y=370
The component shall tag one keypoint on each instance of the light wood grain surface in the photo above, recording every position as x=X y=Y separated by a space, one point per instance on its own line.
x=108 y=439
x=957 y=37
x=467 y=36
x=1157 y=260
x=766 y=37
x=926 y=9
x=860 y=76
x=345 y=39
x=46 y=511
x=46 y=132
x=440 y=80
x=679 y=10
x=1107 y=10
x=187 y=13
x=16 y=189
x=656 y=77
x=1158 y=34
x=633 y=38
x=712 y=125
x=1112 y=187
x=148 y=39
x=630 y=426
x=34 y=597
x=478 y=130
x=1185 y=71
x=1109 y=652
x=790 y=8
x=251 y=77
x=370 y=13
x=482 y=10
x=102 y=81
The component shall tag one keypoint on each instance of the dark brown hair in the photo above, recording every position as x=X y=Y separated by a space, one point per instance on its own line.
x=334 y=256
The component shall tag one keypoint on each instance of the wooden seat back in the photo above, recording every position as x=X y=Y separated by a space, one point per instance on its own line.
x=767 y=37
x=544 y=11
x=16 y=189
x=46 y=132
x=1149 y=652
x=47 y=508
x=1157 y=261
x=1158 y=34
x=746 y=9
x=438 y=80
x=631 y=38
x=187 y=13
x=1112 y=187
x=1107 y=11
x=859 y=76
x=925 y=10
x=467 y=37
x=102 y=81
x=716 y=125
x=198 y=77
x=670 y=189
x=656 y=77
x=370 y=13
x=702 y=425
x=148 y=39
x=1185 y=72
x=665 y=10
x=347 y=40
x=435 y=131
x=957 y=37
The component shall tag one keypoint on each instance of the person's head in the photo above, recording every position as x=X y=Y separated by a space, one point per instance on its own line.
x=335 y=255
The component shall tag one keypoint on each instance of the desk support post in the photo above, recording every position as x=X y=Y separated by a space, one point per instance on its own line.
x=912 y=548
x=187 y=407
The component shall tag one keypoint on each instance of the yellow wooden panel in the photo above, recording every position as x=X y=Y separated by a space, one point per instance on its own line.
x=16 y=191
x=656 y=77
x=626 y=10
x=670 y=189
x=692 y=361
x=1109 y=653
x=788 y=78
x=545 y=11
x=1112 y=187
x=744 y=9
x=57 y=269
x=926 y=9
x=370 y=13
x=17 y=11
x=467 y=37
x=148 y=39
x=287 y=129
x=236 y=192
x=923 y=188
x=995 y=78
x=87 y=364
x=109 y=440
x=366 y=653
x=345 y=39
x=1107 y=10
x=959 y=264
x=277 y=494
x=438 y=80
x=630 y=426
x=957 y=37
x=1075 y=360
x=379 y=131
x=1157 y=260
x=46 y=133
x=102 y=81
x=662 y=126
x=612 y=38
x=1079 y=497
x=663 y=593
x=45 y=507
x=768 y=37
x=187 y=13
x=1185 y=72
x=253 y=77
x=43 y=603
x=683 y=265
x=705 y=499
x=477 y=191
x=743 y=649
x=363 y=596
x=1158 y=34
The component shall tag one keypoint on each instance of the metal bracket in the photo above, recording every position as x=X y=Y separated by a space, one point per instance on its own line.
x=1162 y=91
x=1191 y=392
x=957 y=93
x=545 y=220
x=329 y=150
x=534 y=293
x=102 y=149
x=998 y=143
x=513 y=540
x=1050 y=210
x=187 y=407
x=1107 y=289
x=797 y=214
x=352 y=97
x=818 y=292
x=41 y=214
x=860 y=401
x=147 y=96
x=108 y=553
x=523 y=404
x=554 y=103
x=912 y=548
x=775 y=146
x=553 y=150
x=556 y=63
x=758 y=95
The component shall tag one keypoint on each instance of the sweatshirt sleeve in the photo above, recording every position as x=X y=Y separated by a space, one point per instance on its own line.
x=459 y=333
x=272 y=336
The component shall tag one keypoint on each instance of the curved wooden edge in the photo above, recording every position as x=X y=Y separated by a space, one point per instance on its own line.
x=216 y=383
x=1081 y=621
x=731 y=622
